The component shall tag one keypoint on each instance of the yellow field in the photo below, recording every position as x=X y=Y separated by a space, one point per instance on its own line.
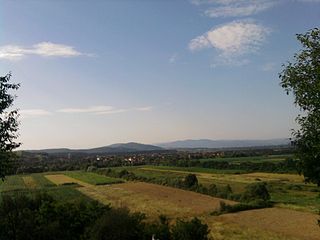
x=60 y=179
x=29 y=182
x=154 y=199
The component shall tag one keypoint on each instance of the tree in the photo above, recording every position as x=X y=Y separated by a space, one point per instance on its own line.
x=256 y=191
x=190 y=230
x=8 y=125
x=118 y=224
x=190 y=180
x=302 y=79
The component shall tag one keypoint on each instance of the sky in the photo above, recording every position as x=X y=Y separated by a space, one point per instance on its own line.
x=96 y=72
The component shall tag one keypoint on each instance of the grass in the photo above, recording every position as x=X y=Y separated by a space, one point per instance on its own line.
x=255 y=159
x=33 y=183
x=199 y=169
x=287 y=191
x=12 y=183
x=92 y=178
x=29 y=182
x=42 y=182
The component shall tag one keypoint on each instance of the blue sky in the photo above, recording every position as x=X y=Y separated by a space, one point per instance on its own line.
x=98 y=72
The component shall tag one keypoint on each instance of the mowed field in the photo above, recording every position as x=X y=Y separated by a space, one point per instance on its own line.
x=153 y=200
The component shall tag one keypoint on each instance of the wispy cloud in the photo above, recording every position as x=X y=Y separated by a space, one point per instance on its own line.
x=27 y=113
x=45 y=49
x=102 y=110
x=93 y=109
x=144 y=109
x=239 y=9
x=234 y=8
x=233 y=39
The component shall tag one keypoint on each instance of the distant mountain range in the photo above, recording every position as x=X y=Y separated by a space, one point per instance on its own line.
x=132 y=147
x=207 y=143
x=114 y=148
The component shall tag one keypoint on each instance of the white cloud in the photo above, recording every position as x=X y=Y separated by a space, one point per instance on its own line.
x=52 y=49
x=45 y=49
x=234 y=8
x=239 y=9
x=199 y=43
x=26 y=113
x=102 y=110
x=233 y=39
x=144 y=109
x=112 y=111
x=94 y=109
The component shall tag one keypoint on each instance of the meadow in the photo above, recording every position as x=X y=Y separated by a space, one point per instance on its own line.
x=295 y=204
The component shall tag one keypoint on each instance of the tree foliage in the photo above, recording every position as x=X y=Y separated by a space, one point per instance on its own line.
x=302 y=79
x=191 y=180
x=256 y=191
x=190 y=230
x=8 y=125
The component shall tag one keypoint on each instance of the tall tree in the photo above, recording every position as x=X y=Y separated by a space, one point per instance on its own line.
x=8 y=125
x=302 y=78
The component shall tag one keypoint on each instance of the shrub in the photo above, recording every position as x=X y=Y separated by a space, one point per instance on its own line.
x=256 y=191
x=190 y=180
x=118 y=224
x=190 y=230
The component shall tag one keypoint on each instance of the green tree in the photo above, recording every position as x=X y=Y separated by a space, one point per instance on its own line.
x=256 y=191
x=118 y=224
x=8 y=125
x=302 y=78
x=190 y=230
x=191 y=180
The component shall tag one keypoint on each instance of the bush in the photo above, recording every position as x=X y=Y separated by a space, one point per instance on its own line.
x=41 y=217
x=190 y=230
x=118 y=224
x=256 y=191
x=190 y=181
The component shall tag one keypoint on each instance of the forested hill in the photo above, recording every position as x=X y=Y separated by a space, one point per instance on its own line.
x=114 y=148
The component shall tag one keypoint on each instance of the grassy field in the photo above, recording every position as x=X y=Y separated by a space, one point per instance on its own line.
x=27 y=184
x=92 y=178
x=12 y=183
x=287 y=191
x=256 y=159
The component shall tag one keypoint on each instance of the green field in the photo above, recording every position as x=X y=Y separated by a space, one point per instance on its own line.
x=15 y=185
x=255 y=159
x=92 y=178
